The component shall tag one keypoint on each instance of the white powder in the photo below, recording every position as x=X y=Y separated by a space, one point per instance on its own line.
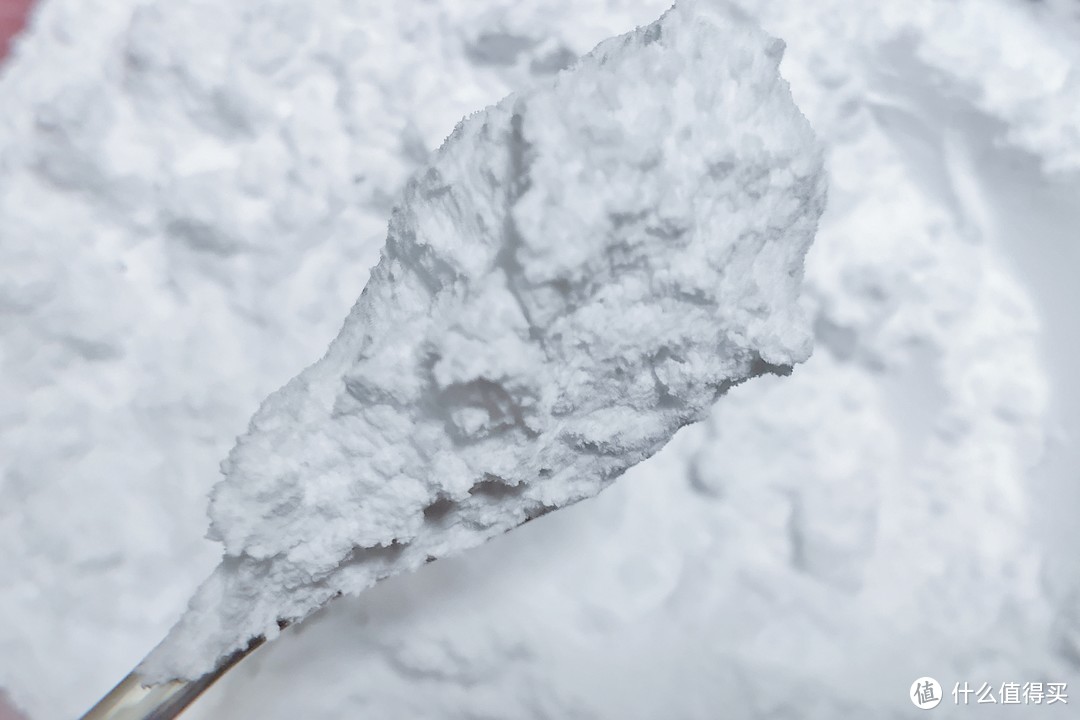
x=580 y=271
x=826 y=538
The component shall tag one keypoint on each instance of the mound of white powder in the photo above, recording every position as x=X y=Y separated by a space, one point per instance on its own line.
x=183 y=182
x=580 y=271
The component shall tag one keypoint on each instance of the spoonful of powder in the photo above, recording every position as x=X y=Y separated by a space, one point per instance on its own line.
x=581 y=270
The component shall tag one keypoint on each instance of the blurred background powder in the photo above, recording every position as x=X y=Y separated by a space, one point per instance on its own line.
x=12 y=17
x=191 y=194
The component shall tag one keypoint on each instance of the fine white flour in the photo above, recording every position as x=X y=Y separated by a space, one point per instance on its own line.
x=192 y=195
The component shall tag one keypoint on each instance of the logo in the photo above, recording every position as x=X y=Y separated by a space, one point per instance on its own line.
x=925 y=693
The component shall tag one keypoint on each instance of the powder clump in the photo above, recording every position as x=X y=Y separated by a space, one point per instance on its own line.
x=581 y=270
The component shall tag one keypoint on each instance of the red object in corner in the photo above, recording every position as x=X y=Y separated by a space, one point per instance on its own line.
x=7 y=709
x=12 y=19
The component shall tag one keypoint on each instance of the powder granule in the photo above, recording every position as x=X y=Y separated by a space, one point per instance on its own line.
x=580 y=271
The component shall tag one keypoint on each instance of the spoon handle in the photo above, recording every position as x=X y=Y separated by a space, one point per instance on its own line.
x=130 y=700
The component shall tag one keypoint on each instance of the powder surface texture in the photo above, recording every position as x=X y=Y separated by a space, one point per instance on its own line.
x=580 y=271
x=193 y=194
